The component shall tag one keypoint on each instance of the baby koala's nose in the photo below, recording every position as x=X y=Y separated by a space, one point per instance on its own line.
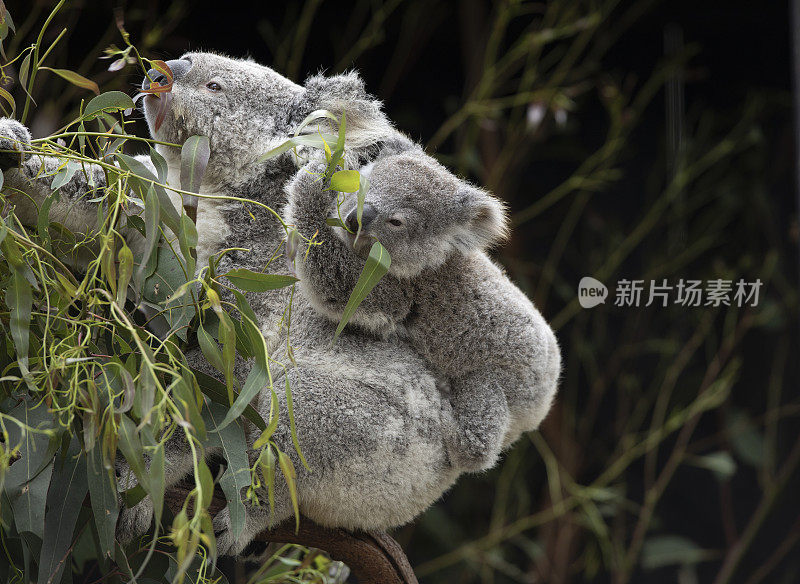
x=179 y=68
x=369 y=213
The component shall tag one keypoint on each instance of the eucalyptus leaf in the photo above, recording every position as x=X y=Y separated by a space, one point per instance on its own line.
x=666 y=550
x=75 y=78
x=157 y=481
x=215 y=390
x=108 y=102
x=19 y=299
x=310 y=140
x=257 y=282
x=721 y=464
x=346 y=181
x=376 y=267
x=231 y=441
x=67 y=491
x=160 y=163
x=103 y=493
x=210 y=349
x=195 y=154
x=141 y=180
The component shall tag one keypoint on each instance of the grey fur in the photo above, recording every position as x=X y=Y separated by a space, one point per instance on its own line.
x=456 y=307
x=371 y=417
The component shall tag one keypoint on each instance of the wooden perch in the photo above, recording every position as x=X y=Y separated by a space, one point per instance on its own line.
x=373 y=557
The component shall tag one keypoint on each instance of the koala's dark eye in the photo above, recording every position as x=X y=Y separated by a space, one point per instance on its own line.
x=395 y=222
x=213 y=86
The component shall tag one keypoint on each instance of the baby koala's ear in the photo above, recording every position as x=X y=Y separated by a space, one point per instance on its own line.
x=484 y=219
x=365 y=121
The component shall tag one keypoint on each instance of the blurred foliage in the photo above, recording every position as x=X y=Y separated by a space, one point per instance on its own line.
x=672 y=451
x=95 y=382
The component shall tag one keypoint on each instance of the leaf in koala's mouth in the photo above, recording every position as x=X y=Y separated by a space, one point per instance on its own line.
x=157 y=86
x=164 y=101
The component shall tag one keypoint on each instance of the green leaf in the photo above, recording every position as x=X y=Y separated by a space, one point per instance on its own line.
x=268 y=472
x=289 y=475
x=335 y=222
x=162 y=169
x=157 y=481
x=236 y=477
x=75 y=79
x=131 y=448
x=747 y=442
x=210 y=349
x=244 y=306
x=205 y=482
x=258 y=378
x=19 y=300
x=227 y=335
x=8 y=98
x=103 y=493
x=311 y=140
x=67 y=491
x=24 y=70
x=108 y=102
x=26 y=481
x=256 y=281
x=182 y=391
x=152 y=213
x=377 y=266
x=145 y=394
x=293 y=429
x=125 y=257
x=273 y=422
x=668 y=550
x=166 y=279
x=720 y=463
x=346 y=181
x=194 y=159
x=313 y=116
x=141 y=180
x=215 y=390
x=65 y=174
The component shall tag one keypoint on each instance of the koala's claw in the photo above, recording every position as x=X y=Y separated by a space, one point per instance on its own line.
x=134 y=522
x=14 y=140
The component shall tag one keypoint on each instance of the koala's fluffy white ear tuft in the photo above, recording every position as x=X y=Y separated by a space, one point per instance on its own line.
x=366 y=123
x=485 y=220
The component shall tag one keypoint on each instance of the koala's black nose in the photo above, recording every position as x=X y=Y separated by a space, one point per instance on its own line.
x=179 y=68
x=351 y=221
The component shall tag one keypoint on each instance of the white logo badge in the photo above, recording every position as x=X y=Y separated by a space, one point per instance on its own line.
x=591 y=292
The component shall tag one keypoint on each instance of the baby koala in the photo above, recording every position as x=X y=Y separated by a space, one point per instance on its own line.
x=457 y=307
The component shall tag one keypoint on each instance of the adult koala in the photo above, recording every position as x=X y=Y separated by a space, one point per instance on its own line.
x=369 y=414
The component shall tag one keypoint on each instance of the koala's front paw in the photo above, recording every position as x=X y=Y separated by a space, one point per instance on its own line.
x=134 y=522
x=472 y=451
x=14 y=140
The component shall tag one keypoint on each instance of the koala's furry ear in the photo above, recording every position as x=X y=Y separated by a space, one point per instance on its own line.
x=484 y=219
x=366 y=122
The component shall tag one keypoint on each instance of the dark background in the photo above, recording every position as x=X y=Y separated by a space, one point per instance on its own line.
x=734 y=217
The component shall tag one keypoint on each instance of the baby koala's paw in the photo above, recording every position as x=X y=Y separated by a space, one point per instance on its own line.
x=14 y=140
x=134 y=522
x=472 y=452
